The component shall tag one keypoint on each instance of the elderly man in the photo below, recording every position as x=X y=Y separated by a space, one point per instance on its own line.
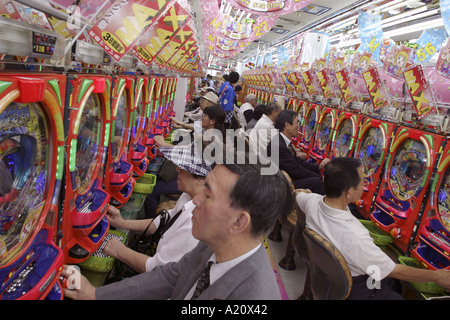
x=233 y=213
x=245 y=112
x=208 y=99
x=264 y=130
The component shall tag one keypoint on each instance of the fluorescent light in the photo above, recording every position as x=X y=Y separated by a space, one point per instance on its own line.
x=416 y=27
x=388 y=22
x=400 y=31
x=379 y=8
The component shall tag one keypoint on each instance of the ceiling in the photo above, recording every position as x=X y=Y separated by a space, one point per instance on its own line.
x=324 y=15
x=294 y=23
x=288 y=24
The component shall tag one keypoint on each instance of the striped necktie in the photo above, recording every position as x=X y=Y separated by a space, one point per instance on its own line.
x=203 y=282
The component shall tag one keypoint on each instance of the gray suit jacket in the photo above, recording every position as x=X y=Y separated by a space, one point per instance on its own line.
x=252 y=279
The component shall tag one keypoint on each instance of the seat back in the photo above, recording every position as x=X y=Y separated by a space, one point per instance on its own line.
x=330 y=275
x=288 y=218
x=297 y=238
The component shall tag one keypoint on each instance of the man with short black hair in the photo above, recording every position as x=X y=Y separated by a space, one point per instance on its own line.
x=303 y=174
x=330 y=216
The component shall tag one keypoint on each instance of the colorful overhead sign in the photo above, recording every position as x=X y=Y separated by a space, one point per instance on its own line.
x=121 y=26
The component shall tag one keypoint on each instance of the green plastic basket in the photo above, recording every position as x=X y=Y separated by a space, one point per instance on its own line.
x=424 y=287
x=102 y=264
x=145 y=184
x=380 y=237
x=130 y=210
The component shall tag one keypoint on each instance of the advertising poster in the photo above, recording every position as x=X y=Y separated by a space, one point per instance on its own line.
x=121 y=26
x=420 y=92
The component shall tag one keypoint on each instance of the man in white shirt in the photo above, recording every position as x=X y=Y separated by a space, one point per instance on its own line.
x=330 y=216
x=245 y=111
x=264 y=129
x=190 y=180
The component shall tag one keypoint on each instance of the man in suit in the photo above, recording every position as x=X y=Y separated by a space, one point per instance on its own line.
x=304 y=175
x=231 y=217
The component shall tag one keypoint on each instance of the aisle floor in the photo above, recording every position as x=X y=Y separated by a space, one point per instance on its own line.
x=293 y=280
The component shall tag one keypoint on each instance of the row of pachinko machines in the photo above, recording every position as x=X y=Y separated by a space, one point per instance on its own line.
x=406 y=155
x=70 y=146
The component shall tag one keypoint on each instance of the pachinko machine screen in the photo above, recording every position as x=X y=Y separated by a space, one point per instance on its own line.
x=344 y=138
x=24 y=147
x=120 y=126
x=326 y=128
x=88 y=143
x=443 y=201
x=310 y=125
x=371 y=150
x=408 y=169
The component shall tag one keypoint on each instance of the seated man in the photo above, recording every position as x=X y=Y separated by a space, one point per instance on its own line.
x=330 y=216
x=233 y=213
x=304 y=175
x=208 y=99
x=191 y=180
x=245 y=112
x=264 y=129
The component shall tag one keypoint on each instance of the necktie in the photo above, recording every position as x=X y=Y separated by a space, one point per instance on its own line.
x=203 y=282
x=291 y=149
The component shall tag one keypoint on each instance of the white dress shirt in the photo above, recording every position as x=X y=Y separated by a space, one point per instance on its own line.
x=219 y=269
x=169 y=248
x=262 y=133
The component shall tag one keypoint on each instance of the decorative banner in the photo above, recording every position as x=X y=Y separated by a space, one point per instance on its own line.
x=361 y=62
x=121 y=26
x=154 y=40
x=324 y=83
x=445 y=14
x=181 y=52
x=309 y=82
x=398 y=59
x=289 y=86
x=371 y=34
x=375 y=88
x=173 y=46
x=443 y=62
x=283 y=55
x=9 y=10
x=429 y=43
x=343 y=80
x=215 y=25
x=270 y=7
x=294 y=78
x=420 y=92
